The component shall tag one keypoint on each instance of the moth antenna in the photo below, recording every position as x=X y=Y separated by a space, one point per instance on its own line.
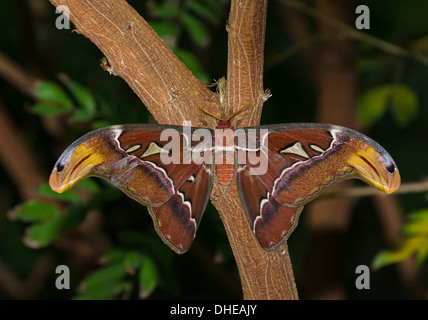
x=245 y=107
x=204 y=123
x=209 y=113
x=239 y=121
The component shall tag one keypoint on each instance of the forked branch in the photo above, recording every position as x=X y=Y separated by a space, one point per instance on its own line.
x=171 y=93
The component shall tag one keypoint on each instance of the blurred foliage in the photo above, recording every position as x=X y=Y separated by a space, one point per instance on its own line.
x=74 y=100
x=79 y=105
x=391 y=109
x=121 y=271
x=47 y=219
x=415 y=242
x=172 y=19
x=401 y=100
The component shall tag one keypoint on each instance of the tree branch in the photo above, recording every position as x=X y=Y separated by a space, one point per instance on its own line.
x=246 y=29
x=409 y=187
x=17 y=158
x=264 y=275
x=356 y=34
x=15 y=75
x=172 y=93
x=136 y=53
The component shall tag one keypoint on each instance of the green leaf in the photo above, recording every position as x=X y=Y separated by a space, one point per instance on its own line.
x=195 y=29
x=401 y=99
x=102 y=123
x=113 y=255
x=417 y=223
x=422 y=253
x=89 y=185
x=103 y=291
x=68 y=196
x=148 y=277
x=81 y=115
x=51 y=91
x=204 y=12
x=372 y=105
x=192 y=63
x=164 y=29
x=407 y=248
x=405 y=104
x=150 y=241
x=33 y=210
x=49 y=109
x=83 y=96
x=419 y=215
x=417 y=227
x=104 y=275
x=44 y=232
x=41 y=234
x=132 y=261
x=213 y=5
x=105 y=105
x=165 y=11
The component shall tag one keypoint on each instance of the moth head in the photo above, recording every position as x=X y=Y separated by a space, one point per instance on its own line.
x=223 y=119
x=375 y=166
x=78 y=162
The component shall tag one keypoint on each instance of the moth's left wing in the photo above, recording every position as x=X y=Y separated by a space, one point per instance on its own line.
x=177 y=220
x=157 y=171
x=295 y=163
x=271 y=222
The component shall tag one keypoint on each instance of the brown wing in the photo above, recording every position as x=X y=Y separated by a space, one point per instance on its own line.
x=177 y=220
x=151 y=164
x=301 y=161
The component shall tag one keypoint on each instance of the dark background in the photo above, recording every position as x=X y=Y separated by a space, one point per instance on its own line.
x=29 y=39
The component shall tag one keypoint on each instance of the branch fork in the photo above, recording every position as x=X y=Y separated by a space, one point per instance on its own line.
x=172 y=94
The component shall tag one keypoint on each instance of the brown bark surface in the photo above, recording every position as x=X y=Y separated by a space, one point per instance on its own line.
x=171 y=93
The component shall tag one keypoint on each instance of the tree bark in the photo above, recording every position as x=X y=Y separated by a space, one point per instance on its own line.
x=171 y=93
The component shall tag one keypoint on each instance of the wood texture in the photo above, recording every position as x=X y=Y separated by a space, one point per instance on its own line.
x=264 y=275
x=171 y=93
